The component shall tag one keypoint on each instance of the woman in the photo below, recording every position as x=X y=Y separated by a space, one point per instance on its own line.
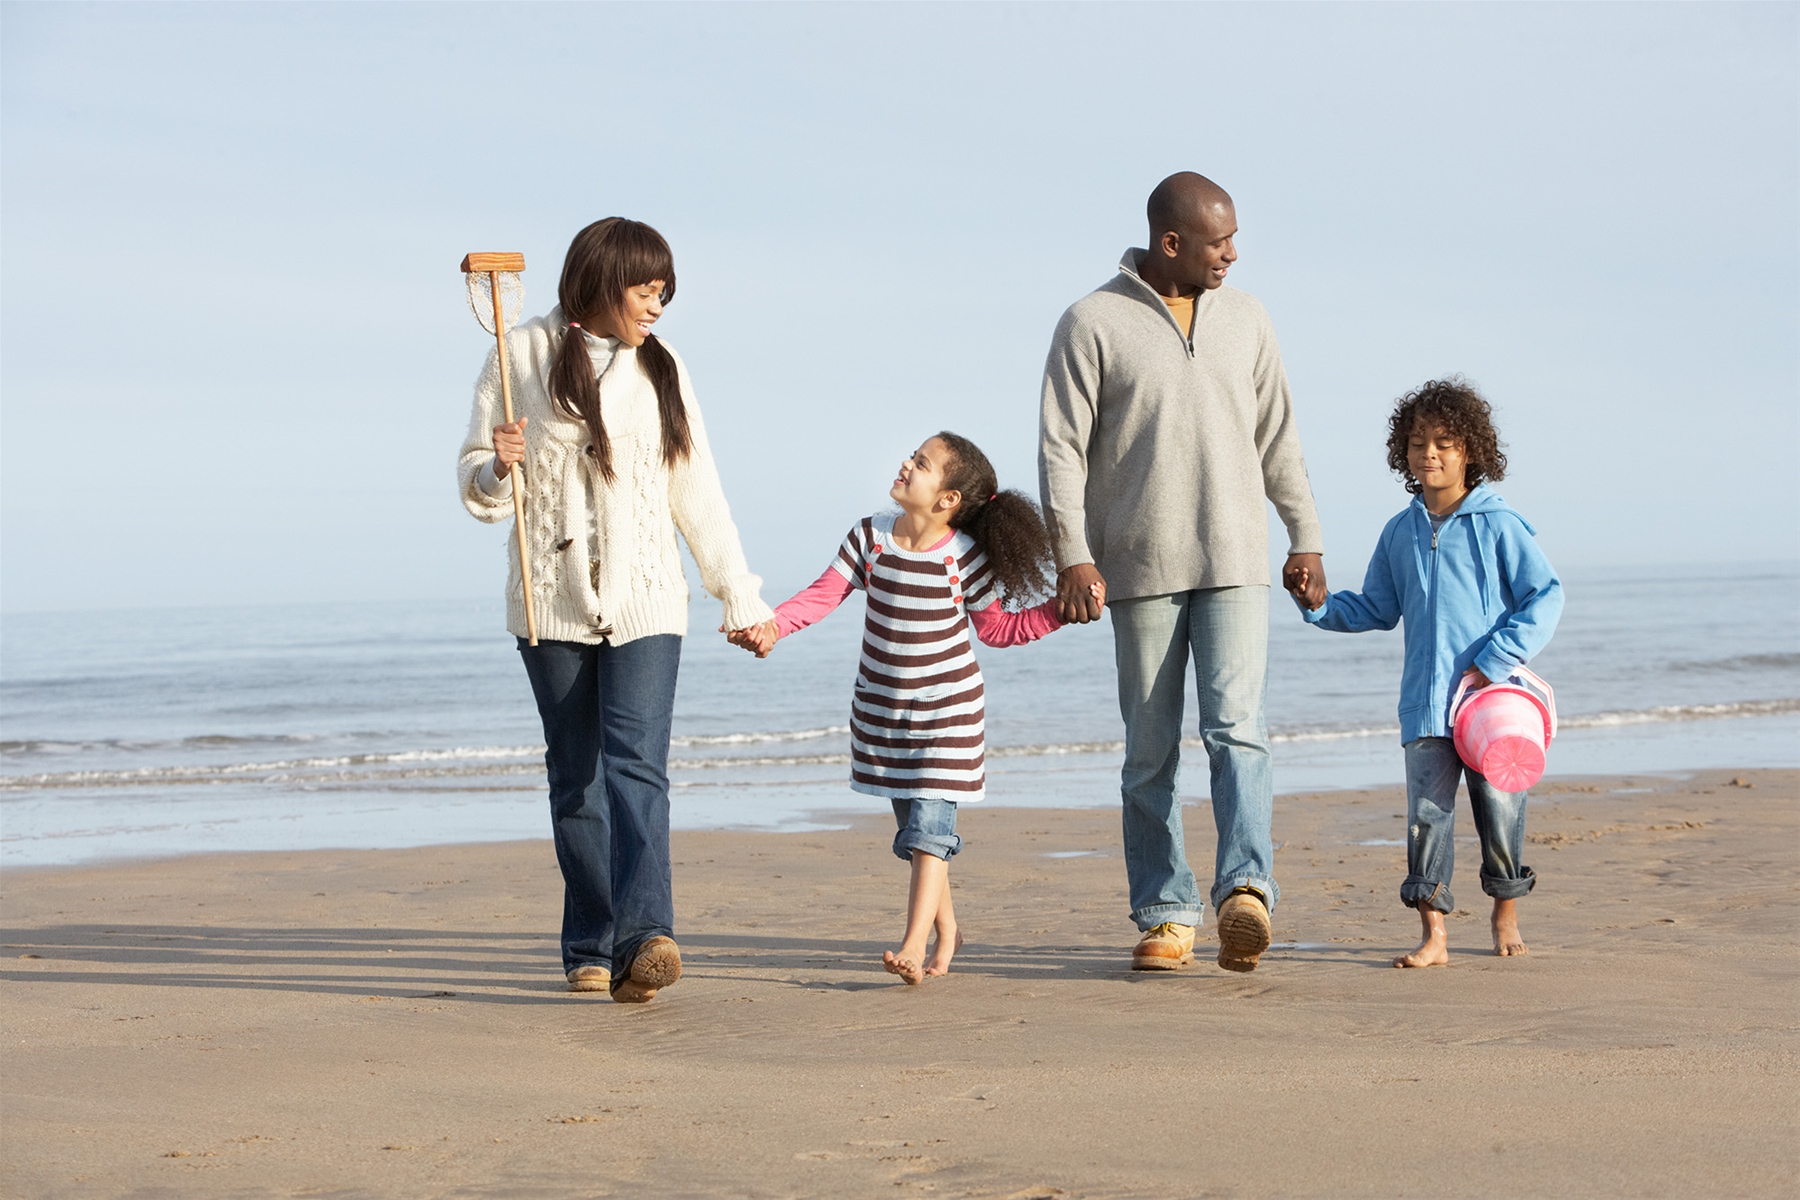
x=615 y=462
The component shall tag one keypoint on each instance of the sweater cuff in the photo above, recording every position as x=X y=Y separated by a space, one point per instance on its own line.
x=746 y=609
x=1493 y=664
x=1306 y=538
x=491 y=484
x=1073 y=552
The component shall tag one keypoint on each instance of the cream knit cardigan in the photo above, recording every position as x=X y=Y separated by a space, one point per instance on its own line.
x=634 y=587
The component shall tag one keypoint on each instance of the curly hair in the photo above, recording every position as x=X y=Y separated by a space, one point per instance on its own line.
x=1006 y=526
x=1454 y=404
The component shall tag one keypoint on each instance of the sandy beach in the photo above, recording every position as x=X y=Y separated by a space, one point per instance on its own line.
x=392 y=1023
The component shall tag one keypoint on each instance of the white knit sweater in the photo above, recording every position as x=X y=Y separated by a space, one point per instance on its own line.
x=629 y=583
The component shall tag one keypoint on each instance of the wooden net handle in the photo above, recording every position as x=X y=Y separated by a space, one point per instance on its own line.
x=518 y=476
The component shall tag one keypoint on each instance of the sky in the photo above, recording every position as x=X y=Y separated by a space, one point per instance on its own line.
x=236 y=361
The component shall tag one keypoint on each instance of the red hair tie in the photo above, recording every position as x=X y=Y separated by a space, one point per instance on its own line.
x=574 y=324
x=994 y=496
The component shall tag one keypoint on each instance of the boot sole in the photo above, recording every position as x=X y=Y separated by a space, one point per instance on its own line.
x=1156 y=962
x=1243 y=936
x=657 y=965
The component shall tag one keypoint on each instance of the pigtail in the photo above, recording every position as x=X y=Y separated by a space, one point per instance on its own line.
x=659 y=365
x=1008 y=528
x=1005 y=526
x=577 y=393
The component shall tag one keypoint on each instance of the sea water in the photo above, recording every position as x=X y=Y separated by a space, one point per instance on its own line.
x=155 y=732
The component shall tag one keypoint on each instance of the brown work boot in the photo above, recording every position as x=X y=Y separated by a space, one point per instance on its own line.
x=1243 y=930
x=591 y=978
x=1164 y=948
x=657 y=965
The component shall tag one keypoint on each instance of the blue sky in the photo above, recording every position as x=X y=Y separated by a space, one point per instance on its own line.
x=236 y=362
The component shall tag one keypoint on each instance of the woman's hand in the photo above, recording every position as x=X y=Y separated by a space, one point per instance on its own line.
x=509 y=447
x=758 y=639
x=1476 y=679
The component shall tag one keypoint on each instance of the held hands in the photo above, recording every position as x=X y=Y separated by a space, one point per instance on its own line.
x=1080 y=594
x=509 y=446
x=757 y=639
x=1304 y=578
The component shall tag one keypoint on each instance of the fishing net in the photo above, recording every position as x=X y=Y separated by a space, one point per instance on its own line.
x=481 y=297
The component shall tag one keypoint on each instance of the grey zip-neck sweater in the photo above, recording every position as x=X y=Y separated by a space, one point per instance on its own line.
x=1155 y=451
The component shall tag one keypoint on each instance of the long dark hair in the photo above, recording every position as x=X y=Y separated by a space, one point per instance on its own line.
x=604 y=260
x=1006 y=526
x=1454 y=404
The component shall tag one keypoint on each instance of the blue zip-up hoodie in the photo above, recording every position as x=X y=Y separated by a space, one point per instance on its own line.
x=1480 y=594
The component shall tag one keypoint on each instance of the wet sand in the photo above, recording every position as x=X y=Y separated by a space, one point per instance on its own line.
x=349 y=1023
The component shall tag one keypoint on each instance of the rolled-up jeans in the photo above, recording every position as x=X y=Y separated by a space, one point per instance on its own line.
x=607 y=711
x=1432 y=771
x=928 y=826
x=1226 y=632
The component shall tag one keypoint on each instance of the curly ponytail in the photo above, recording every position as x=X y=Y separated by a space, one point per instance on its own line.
x=1006 y=526
x=604 y=260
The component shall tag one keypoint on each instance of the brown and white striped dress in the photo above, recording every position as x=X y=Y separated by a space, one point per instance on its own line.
x=917 y=720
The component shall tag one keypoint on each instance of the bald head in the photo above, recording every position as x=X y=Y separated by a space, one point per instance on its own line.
x=1182 y=202
x=1192 y=223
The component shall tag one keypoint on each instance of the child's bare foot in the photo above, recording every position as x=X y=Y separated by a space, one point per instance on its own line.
x=1507 y=941
x=939 y=963
x=1434 y=943
x=904 y=965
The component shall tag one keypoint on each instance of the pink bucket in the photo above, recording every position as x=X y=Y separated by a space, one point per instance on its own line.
x=1503 y=729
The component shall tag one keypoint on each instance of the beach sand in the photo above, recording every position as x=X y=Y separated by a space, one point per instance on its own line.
x=349 y=1023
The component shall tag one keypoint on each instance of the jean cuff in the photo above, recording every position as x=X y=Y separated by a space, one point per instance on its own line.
x=1501 y=888
x=1436 y=895
x=938 y=845
x=1263 y=886
x=1147 y=919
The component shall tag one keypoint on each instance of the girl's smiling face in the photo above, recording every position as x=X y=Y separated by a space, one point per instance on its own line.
x=919 y=487
x=637 y=312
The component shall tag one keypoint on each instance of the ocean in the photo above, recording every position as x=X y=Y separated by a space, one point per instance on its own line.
x=140 y=733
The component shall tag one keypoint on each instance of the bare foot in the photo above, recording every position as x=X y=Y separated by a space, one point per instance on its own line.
x=1507 y=941
x=939 y=963
x=903 y=965
x=1434 y=943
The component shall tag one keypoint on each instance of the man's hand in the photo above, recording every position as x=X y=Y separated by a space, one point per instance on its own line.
x=1304 y=578
x=1080 y=594
x=758 y=639
x=1476 y=679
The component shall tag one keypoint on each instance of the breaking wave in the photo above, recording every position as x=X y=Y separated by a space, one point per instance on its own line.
x=412 y=767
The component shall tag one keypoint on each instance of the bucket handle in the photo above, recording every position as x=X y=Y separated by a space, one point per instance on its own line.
x=1533 y=682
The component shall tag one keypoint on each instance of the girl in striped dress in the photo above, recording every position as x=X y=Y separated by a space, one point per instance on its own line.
x=938 y=568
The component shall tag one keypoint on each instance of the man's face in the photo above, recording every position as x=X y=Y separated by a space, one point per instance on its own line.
x=1200 y=257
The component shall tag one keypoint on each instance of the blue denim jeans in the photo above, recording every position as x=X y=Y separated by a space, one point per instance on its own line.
x=1432 y=771
x=1226 y=631
x=927 y=825
x=607 y=712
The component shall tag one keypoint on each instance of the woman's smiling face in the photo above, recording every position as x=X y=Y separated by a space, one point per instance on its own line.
x=637 y=312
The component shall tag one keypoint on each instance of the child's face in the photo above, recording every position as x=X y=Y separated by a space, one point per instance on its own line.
x=1435 y=458
x=919 y=487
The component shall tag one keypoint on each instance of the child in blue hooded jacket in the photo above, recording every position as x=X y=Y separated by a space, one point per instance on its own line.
x=1478 y=597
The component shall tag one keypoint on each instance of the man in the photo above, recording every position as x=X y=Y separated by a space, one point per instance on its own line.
x=1166 y=420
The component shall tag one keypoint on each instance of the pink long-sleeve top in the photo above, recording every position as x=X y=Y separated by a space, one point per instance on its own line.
x=992 y=624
